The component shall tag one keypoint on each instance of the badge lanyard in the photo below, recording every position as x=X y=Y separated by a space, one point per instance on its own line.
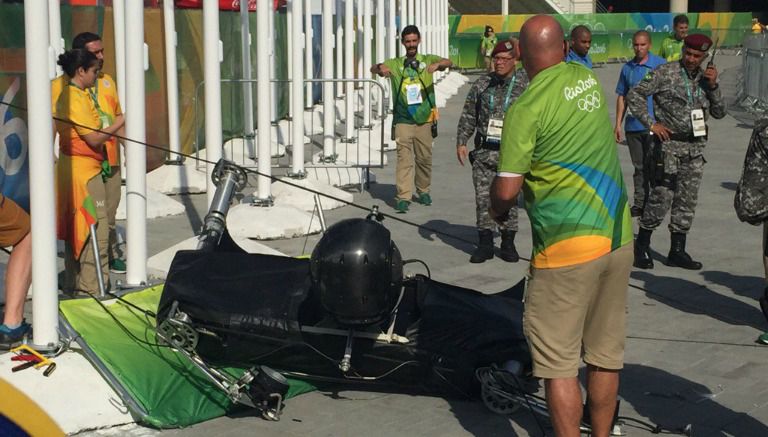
x=688 y=83
x=506 y=99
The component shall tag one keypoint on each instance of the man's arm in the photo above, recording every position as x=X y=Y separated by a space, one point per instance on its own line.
x=620 y=111
x=440 y=65
x=717 y=103
x=467 y=122
x=504 y=191
x=381 y=69
x=637 y=98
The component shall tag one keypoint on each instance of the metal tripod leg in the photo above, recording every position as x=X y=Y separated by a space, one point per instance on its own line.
x=97 y=256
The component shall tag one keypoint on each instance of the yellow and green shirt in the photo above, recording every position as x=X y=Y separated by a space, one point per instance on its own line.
x=403 y=77
x=559 y=136
x=671 y=49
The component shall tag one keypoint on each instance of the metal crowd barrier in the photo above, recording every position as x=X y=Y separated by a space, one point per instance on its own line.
x=365 y=149
x=755 y=52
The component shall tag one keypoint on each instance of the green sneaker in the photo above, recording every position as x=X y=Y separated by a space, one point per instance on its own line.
x=402 y=206
x=117 y=266
x=425 y=199
x=763 y=338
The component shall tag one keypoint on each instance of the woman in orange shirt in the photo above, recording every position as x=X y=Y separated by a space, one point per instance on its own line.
x=83 y=129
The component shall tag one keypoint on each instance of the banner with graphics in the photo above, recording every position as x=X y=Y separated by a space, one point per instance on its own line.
x=611 y=33
x=14 y=165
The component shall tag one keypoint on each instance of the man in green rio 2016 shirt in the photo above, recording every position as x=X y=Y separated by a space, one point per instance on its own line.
x=672 y=46
x=557 y=144
x=415 y=116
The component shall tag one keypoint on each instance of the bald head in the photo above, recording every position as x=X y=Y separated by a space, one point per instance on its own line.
x=542 y=44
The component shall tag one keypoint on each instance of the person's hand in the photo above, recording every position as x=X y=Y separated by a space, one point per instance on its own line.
x=384 y=70
x=119 y=121
x=617 y=133
x=710 y=75
x=661 y=131
x=462 y=153
x=431 y=68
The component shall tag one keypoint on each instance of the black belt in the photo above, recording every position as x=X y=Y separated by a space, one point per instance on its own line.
x=688 y=138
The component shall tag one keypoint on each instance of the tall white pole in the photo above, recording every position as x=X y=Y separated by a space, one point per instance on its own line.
x=417 y=16
x=45 y=301
x=54 y=35
x=171 y=79
x=339 y=46
x=212 y=77
x=381 y=31
x=411 y=13
x=135 y=151
x=297 y=65
x=308 y=53
x=391 y=36
x=504 y=7
x=403 y=22
x=118 y=20
x=245 y=50
x=365 y=71
x=272 y=61
x=289 y=45
x=263 y=90
x=329 y=109
x=349 y=66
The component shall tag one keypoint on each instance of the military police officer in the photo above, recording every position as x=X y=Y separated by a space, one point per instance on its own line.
x=684 y=96
x=483 y=115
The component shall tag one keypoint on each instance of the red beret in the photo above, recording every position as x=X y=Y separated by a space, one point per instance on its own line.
x=503 y=47
x=698 y=41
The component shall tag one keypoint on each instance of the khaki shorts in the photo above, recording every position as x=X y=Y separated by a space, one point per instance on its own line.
x=575 y=309
x=14 y=222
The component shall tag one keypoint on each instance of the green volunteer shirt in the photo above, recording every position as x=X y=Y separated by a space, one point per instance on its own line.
x=671 y=49
x=404 y=79
x=559 y=136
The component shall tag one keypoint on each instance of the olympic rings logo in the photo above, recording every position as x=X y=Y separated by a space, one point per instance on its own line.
x=590 y=102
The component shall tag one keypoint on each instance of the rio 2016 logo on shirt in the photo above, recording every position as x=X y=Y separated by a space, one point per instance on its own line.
x=581 y=87
x=590 y=102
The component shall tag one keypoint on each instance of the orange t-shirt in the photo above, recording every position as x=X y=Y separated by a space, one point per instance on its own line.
x=76 y=105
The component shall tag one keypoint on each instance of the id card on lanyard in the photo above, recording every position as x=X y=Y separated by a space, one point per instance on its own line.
x=698 y=124
x=496 y=124
x=106 y=119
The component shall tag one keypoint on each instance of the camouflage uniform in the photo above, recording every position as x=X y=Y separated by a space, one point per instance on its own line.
x=474 y=120
x=751 y=200
x=678 y=163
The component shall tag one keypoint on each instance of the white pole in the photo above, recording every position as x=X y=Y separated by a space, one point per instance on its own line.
x=171 y=79
x=289 y=45
x=338 y=47
x=403 y=21
x=135 y=151
x=365 y=72
x=54 y=35
x=359 y=38
x=308 y=52
x=349 y=65
x=411 y=14
x=328 y=105
x=212 y=77
x=272 y=62
x=504 y=7
x=297 y=65
x=391 y=36
x=45 y=301
x=118 y=20
x=381 y=55
x=245 y=47
x=263 y=9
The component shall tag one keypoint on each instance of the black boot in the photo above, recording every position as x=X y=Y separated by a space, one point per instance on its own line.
x=643 y=258
x=508 y=252
x=678 y=257
x=484 y=249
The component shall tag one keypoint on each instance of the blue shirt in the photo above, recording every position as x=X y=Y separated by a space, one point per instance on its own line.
x=585 y=60
x=631 y=73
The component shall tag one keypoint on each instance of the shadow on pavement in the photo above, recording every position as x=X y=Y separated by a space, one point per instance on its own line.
x=461 y=231
x=673 y=401
x=693 y=298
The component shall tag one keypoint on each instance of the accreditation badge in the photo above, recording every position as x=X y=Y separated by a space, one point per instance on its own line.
x=698 y=123
x=493 y=133
x=413 y=94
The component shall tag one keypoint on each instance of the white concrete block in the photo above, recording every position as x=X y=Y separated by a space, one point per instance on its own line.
x=158 y=205
x=288 y=195
x=178 y=179
x=337 y=176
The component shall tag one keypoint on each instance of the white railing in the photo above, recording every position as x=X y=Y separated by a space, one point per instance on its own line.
x=573 y=6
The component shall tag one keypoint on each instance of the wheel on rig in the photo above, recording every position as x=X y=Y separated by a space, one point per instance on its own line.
x=495 y=402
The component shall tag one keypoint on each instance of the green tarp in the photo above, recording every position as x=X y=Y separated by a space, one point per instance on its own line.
x=170 y=389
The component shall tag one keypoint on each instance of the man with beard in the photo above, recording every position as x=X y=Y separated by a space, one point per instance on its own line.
x=672 y=45
x=415 y=116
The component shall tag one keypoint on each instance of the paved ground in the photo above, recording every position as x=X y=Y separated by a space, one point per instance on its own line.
x=691 y=355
